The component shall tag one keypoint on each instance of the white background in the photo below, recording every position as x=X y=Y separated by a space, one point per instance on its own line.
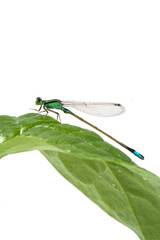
x=75 y=50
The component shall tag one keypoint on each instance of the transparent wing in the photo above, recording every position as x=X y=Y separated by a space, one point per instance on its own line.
x=101 y=109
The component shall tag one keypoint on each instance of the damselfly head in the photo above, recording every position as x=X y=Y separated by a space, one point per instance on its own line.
x=38 y=101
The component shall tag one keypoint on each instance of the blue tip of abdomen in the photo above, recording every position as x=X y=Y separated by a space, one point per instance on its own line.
x=138 y=155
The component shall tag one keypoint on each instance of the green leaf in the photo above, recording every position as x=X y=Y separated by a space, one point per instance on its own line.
x=103 y=173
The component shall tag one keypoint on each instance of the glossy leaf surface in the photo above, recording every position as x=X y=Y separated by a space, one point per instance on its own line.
x=103 y=173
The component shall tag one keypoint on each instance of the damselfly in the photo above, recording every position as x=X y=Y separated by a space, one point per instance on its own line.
x=92 y=108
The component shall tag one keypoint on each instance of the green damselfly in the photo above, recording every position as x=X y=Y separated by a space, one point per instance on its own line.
x=92 y=108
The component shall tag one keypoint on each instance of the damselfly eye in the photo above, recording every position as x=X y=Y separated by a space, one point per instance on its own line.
x=38 y=101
